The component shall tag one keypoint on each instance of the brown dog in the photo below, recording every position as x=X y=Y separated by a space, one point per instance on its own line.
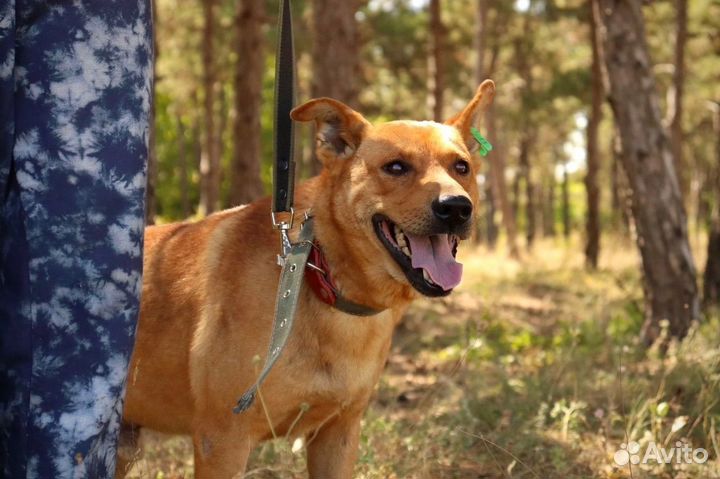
x=209 y=290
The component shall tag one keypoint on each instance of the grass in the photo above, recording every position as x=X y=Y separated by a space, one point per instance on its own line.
x=532 y=369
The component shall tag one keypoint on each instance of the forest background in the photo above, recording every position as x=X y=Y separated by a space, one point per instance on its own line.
x=597 y=257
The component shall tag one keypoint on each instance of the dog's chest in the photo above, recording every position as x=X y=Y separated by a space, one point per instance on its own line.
x=328 y=372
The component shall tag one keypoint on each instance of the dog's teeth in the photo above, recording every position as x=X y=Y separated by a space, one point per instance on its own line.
x=401 y=239
x=405 y=250
x=427 y=277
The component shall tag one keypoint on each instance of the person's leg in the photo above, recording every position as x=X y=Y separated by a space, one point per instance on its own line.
x=7 y=64
x=15 y=346
x=15 y=331
x=82 y=96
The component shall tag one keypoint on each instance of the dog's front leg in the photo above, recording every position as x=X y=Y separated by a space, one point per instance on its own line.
x=220 y=454
x=333 y=450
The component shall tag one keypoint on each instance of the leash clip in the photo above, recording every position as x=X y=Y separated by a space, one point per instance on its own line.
x=284 y=227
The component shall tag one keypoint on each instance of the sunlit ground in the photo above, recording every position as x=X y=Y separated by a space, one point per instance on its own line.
x=532 y=369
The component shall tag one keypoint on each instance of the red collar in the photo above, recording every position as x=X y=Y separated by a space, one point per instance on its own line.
x=317 y=274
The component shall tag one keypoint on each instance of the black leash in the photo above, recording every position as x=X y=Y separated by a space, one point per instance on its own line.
x=284 y=139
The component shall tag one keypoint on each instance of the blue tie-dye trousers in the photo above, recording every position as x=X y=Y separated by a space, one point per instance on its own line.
x=75 y=82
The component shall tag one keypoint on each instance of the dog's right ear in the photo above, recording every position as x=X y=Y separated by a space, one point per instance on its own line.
x=339 y=128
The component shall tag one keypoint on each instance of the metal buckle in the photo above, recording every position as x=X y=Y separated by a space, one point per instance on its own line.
x=283 y=224
x=284 y=227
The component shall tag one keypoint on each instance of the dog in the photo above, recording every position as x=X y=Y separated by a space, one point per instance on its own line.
x=390 y=206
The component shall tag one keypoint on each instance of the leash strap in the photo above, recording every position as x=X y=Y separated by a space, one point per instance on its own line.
x=285 y=307
x=293 y=257
x=284 y=139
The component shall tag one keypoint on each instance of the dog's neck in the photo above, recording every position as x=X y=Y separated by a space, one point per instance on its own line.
x=356 y=276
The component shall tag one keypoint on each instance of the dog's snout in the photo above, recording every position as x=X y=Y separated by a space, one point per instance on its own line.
x=452 y=210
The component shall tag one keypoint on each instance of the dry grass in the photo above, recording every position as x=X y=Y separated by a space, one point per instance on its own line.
x=531 y=370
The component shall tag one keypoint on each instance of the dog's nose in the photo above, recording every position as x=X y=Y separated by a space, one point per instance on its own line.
x=452 y=210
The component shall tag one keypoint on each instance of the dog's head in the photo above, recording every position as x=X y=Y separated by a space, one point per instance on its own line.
x=407 y=188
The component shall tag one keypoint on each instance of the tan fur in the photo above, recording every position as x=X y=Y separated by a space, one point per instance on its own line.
x=209 y=291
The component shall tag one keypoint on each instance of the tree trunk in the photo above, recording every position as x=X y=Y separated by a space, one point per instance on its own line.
x=566 y=202
x=669 y=272
x=152 y=166
x=222 y=115
x=480 y=75
x=490 y=223
x=481 y=21
x=675 y=103
x=497 y=172
x=336 y=46
x=436 y=67
x=523 y=53
x=210 y=160
x=550 y=206
x=515 y=205
x=530 y=213
x=592 y=224
x=621 y=191
x=183 y=169
x=197 y=141
x=615 y=193
x=711 y=278
x=245 y=182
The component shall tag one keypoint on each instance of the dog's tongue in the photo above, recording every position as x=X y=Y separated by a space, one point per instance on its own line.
x=433 y=254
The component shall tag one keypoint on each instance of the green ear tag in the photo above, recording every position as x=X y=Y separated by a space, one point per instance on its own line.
x=485 y=146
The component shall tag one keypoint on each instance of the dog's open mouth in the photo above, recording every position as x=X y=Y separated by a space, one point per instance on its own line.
x=428 y=261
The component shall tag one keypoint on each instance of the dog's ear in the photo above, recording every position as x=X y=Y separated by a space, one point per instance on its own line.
x=465 y=120
x=339 y=128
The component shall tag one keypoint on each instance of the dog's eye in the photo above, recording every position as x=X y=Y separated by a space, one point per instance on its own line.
x=462 y=167
x=396 y=168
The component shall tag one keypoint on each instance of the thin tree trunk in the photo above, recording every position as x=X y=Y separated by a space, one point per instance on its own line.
x=515 y=205
x=490 y=223
x=210 y=160
x=523 y=50
x=530 y=213
x=547 y=207
x=490 y=184
x=152 y=166
x=711 y=278
x=669 y=271
x=615 y=201
x=197 y=140
x=222 y=115
x=183 y=169
x=481 y=20
x=566 y=202
x=245 y=182
x=592 y=224
x=549 y=215
x=497 y=172
x=436 y=67
x=675 y=103
x=335 y=57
